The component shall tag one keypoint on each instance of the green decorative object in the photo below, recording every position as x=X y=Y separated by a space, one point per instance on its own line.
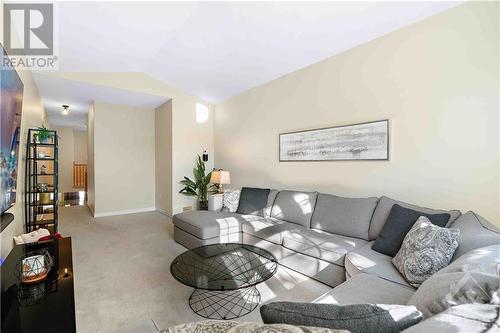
x=43 y=134
x=199 y=187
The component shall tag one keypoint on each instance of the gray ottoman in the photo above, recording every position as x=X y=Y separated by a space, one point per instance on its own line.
x=197 y=228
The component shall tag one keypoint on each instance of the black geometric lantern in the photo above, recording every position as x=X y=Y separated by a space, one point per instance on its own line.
x=34 y=266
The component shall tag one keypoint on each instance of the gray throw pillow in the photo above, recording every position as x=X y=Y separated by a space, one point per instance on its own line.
x=253 y=201
x=354 y=318
x=426 y=249
x=399 y=222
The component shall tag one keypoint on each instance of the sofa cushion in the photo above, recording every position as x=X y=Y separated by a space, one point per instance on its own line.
x=208 y=224
x=483 y=260
x=253 y=201
x=367 y=288
x=464 y=318
x=344 y=216
x=366 y=260
x=474 y=278
x=269 y=229
x=322 y=245
x=356 y=318
x=295 y=207
x=442 y=291
x=384 y=208
x=398 y=224
x=475 y=232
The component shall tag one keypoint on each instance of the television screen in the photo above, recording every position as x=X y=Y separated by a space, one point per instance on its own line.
x=11 y=100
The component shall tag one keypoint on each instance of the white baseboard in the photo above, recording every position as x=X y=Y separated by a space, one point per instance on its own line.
x=162 y=211
x=125 y=212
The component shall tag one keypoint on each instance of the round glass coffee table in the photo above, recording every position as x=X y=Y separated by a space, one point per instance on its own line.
x=224 y=277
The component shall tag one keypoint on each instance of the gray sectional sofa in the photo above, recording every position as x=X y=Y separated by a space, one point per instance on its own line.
x=328 y=238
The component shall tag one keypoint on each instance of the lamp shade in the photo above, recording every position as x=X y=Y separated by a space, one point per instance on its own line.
x=220 y=177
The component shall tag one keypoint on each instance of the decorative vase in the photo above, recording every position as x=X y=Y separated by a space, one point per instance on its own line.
x=203 y=205
x=45 y=198
x=42 y=140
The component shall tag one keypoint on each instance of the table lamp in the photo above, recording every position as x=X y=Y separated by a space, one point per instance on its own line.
x=220 y=177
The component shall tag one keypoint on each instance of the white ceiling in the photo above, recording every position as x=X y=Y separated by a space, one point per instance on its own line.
x=79 y=95
x=215 y=50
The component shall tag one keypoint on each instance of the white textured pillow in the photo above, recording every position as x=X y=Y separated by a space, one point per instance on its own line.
x=425 y=250
x=231 y=200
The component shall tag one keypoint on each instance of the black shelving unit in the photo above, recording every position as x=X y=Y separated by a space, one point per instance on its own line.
x=41 y=205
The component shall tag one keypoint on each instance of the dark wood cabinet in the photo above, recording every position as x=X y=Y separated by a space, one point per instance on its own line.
x=48 y=306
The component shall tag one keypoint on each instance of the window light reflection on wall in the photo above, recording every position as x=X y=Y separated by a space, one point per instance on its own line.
x=201 y=113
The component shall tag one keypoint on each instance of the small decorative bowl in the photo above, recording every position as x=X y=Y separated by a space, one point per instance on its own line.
x=34 y=267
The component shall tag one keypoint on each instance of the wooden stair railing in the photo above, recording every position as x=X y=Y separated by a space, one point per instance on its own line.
x=79 y=175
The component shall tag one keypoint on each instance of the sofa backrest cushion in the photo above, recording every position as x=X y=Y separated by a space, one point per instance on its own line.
x=344 y=216
x=270 y=201
x=475 y=232
x=253 y=201
x=295 y=207
x=481 y=260
x=474 y=278
x=384 y=208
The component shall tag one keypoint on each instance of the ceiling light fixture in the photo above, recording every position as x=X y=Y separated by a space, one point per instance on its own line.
x=65 y=110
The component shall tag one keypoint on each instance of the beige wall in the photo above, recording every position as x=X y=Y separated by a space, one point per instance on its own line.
x=188 y=140
x=163 y=157
x=436 y=80
x=65 y=161
x=124 y=158
x=188 y=137
x=80 y=146
x=90 y=160
x=72 y=148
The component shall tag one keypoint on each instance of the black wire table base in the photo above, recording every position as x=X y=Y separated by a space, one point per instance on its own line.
x=224 y=305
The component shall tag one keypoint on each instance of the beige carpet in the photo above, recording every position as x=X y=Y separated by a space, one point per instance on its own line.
x=122 y=275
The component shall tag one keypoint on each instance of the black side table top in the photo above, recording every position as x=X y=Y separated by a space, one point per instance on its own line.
x=48 y=306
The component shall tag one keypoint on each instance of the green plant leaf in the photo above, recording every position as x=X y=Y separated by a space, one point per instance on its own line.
x=199 y=186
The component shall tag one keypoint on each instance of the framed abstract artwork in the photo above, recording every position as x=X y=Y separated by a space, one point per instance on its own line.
x=366 y=141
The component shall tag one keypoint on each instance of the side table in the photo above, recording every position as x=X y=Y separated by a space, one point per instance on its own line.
x=215 y=202
x=47 y=306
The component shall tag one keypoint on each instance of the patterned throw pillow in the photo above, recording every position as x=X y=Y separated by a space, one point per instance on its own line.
x=426 y=249
x=231 y=200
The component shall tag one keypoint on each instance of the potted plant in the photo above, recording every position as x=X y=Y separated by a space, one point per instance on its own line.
x=199 y=187
x=43 y=135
